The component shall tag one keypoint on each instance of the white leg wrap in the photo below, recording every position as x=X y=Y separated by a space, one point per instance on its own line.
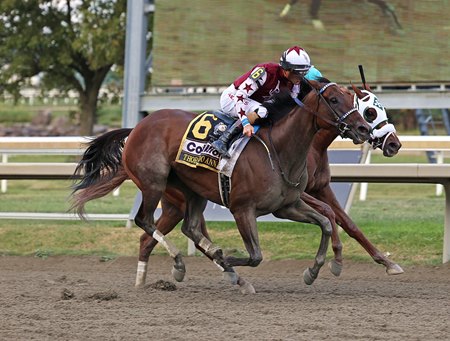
x=209 y=247
x=142 y=266
x=173 y=251
x=141 y=273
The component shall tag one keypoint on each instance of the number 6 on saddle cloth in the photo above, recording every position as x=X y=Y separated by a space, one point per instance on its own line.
x=196 y=149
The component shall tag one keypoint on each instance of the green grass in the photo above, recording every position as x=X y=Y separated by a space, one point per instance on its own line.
x=108 y=114
x=23 y=113
x=404 y=220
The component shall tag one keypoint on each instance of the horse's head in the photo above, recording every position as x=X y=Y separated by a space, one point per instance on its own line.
x=383 y=134
x=335 y=106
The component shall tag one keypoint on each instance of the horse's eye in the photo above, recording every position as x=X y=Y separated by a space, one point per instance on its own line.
x=370 y=114
x=333 y=100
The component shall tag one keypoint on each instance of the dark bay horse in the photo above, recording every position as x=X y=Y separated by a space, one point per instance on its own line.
x=148 y=159
x=319 y=189
x=318 y=193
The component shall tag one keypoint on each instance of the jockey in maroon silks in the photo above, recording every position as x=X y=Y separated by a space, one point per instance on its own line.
x=243 y=98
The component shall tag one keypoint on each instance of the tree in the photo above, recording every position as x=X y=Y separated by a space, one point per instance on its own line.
x=72 y=44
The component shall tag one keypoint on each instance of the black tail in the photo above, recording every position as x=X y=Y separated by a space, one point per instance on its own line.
x=102 y=158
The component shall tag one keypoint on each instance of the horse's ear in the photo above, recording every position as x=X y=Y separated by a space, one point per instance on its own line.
x=367 y=87
x=357 y=91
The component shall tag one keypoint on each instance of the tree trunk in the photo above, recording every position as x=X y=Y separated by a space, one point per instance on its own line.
x=88 y=99
x=88 y=106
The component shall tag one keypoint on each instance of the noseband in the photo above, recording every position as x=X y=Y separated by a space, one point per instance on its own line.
x=378 y=140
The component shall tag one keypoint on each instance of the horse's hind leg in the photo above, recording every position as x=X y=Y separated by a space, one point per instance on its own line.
x=171 y=215
x=145 y=220
x=301 y=212
x=353 y=231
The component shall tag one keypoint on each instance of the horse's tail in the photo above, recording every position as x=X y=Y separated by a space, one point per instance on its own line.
x=100 y=169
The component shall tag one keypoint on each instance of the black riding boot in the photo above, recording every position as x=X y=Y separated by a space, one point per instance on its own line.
x=221 y=144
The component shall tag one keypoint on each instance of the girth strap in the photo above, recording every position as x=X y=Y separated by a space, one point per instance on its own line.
x=224 y=189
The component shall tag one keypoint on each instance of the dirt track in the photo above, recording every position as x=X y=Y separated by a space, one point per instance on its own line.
x=81 y=298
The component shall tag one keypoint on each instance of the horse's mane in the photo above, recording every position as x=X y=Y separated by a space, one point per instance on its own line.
x=281 y=103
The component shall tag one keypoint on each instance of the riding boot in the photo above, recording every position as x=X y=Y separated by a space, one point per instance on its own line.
x=221 y=144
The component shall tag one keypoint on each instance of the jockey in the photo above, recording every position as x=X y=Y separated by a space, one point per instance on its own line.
x=243 y=98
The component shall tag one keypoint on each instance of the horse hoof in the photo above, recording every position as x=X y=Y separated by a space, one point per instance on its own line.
x=178 y=274
x=231 y=277
x=394 y=269
x=246 y=287
x=335 y=267
x=308 y=277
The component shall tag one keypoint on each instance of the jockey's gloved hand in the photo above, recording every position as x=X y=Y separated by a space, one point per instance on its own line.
x=248 y=130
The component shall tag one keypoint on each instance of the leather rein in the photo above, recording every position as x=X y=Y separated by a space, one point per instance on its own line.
x=339 y=124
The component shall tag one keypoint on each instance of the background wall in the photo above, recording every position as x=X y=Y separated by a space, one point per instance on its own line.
x=210 y=42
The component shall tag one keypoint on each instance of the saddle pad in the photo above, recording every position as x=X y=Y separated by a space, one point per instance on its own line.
x=226 y=166
x=195 y=149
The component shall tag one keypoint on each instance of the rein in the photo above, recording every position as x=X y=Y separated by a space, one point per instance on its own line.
x=283 y=174
x=339 y=124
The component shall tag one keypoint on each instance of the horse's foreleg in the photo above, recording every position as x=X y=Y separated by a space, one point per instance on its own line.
x=301 y=212
x=194 y=227
x=246 y=224
x=324 y=209
x=353 y=231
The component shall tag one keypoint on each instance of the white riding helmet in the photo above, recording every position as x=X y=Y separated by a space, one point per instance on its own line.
x=295 y=59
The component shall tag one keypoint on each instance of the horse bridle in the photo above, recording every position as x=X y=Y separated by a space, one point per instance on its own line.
x=379 y=142
x=340 y=125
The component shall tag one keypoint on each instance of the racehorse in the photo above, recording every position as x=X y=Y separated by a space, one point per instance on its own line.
x=318 y=193
x=258 y=188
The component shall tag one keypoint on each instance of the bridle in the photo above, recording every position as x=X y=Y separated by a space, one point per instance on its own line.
x=340 y=125
x=379 y=142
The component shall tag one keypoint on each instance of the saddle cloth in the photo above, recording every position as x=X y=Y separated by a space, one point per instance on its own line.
x=196 y=150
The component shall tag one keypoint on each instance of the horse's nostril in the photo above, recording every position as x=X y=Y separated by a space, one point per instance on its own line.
x=363 y=131
x=394 y=146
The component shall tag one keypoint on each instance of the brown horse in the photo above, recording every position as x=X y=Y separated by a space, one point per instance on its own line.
x=318 y=193
x=148 y=159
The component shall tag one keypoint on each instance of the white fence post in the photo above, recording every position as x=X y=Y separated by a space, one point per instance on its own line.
x=364 y=185
x=116 y=192
x=439 y=161
x=4 y=182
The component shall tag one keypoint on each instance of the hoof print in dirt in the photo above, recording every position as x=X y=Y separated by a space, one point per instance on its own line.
x=66 y=294
x=104 y=296
x=163 y=285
